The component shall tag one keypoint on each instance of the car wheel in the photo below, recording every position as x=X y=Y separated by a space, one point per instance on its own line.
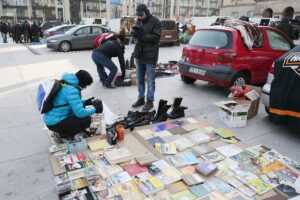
x=267 y=110
x=187 y=80
x=65 y=46
x=239 y=79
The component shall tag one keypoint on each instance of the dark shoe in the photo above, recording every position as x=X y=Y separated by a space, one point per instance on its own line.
x=160 y=105
x=163 y=116
x=148 y=106
x=138 y=103
x=178 y=112
x=149 y=115
x=176 y=105
x=142 y=123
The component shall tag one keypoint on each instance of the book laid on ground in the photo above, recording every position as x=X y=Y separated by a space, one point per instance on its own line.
x=200 y=189
x=57 y=147
x=149 y=185
x=229 y=150
x=190 y=169
x=186 y=195
x=217 y=184
x=176 y=187
x=108 y=170
x=129 y=191
x=287 y=191
x=118 y=155
x=171 y=138
x=161 y=195
x=77 y=166
x=183 y=144
x=71 y=158
x=96 y=154
x=135 y=168
x=79 y=183
x=161 y=164
x=154 y=140
x=146 y=158
x=213 y=156
x=198 y=137
x=235 y=194
x=169 y=175
x=165 y=148
x=192 y=179
x=118 y=178
x=154 y=170
x=213 y=196
x=201 y=149
x=99 y=184
x=183 y=159
x=95 y=145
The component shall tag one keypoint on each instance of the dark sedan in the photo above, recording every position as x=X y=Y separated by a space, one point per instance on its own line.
x=57 y=30
x=79 y=37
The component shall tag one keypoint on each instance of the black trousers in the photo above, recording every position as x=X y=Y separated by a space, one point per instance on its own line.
x=70 y=126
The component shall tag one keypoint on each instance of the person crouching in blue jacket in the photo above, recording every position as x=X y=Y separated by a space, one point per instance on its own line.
x=69 y=116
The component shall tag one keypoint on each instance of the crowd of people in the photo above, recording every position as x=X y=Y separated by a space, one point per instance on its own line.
x=24 y=32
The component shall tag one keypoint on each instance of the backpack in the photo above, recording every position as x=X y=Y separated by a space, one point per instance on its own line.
x=100 y=39
x=46 y=93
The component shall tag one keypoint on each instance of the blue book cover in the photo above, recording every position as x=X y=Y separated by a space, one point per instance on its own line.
x=155 y=139
x=201 y=189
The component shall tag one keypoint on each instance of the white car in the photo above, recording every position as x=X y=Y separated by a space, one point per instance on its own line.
x=267 y=88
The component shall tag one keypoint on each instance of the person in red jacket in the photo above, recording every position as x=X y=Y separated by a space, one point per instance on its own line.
x=103 y=37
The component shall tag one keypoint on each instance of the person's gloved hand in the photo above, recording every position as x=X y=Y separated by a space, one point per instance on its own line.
x=89 y=101
x=98 y=105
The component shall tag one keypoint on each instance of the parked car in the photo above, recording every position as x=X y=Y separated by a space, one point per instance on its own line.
x=57 y=30
x=49 y=24
x=169 y=33
x=267 y=87
x=78 y=37
x=218 y=55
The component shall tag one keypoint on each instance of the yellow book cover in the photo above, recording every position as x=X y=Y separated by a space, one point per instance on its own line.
x=273 y=167
x=129 y=191
x=224 y=133
x=155 y=182
x=98 y=145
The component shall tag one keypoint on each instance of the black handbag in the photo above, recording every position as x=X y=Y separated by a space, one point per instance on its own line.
x=111 y=135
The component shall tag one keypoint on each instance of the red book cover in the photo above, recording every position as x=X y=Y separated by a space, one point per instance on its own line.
x=134 y=169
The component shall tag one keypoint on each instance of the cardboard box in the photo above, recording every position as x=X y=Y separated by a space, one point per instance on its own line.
x=254 y=100
x=233 y=113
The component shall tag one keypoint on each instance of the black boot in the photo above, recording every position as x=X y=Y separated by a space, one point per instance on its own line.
x=138 y=103
x=177 y=112
x=163 y=116
x=176 y=104
x=160 y=106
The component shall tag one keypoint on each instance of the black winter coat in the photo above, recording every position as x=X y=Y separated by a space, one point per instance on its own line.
x=4 y=28
x=148 y=35
x=285 y=27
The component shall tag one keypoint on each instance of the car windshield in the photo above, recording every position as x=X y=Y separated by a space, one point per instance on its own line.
x=212 y=39
x=72 y=30
x=168 y=25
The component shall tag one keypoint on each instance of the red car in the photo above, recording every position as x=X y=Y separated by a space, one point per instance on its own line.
x=218 y=55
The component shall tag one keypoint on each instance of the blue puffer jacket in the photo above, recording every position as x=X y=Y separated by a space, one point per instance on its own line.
x=71 y=96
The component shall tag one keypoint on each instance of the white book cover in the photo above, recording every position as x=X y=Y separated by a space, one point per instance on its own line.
x=198 y=138
x=229 y=150
x=183 y=144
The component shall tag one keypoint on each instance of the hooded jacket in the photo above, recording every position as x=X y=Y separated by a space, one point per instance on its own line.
x=70 y=96
x=285 y=27
x=146 y=49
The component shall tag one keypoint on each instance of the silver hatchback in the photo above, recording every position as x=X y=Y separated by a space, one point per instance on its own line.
x=267 y=89
x=79 y=37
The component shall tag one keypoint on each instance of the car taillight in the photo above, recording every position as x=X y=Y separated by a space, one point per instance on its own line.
x=227 y=57
x=184 y=53
x=271 y=69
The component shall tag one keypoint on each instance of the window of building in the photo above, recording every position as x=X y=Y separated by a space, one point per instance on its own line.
x=235 y=15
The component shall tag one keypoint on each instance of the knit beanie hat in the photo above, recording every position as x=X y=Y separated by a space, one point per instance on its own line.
x=84 y=78
x=142 y=8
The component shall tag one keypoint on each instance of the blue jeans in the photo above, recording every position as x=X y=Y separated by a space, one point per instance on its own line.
x=141 y=70
x=4 y=36
x=103 y=61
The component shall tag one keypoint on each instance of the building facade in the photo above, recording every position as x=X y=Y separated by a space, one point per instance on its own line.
x=261 y=8
x=45 y=10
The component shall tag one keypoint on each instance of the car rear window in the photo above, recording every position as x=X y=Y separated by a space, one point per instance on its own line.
x=168 y=25
x=212 y=39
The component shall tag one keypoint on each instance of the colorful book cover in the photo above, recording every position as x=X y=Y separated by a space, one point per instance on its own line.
x=61 y=179
x=96 y=154
x=176 y=187
x=154 y=170
x=183 y=159
x=121 y=177
x=150 y=185
x=74 y=166
x=236 y=195
x=192 y=179
x=154 y=140
x=161 y=164
x=164 y=133
x=134 y=169
x=206 y=168
x=169 y=175
x=190 y=169
x=79 y=183
x=98 y=145
x=272 y=167
x=108 y=170
x=72 y=158
x=231 y=140
x=287 y=190
x=257 y=150
x=166 y=148
x=162 y=127
x=99 y=184
x=219 y=185
x=213 y=156
x=200 y=189
x=242 y=157
x=255 y=183
x=100 y=162
x=198 y=137
x=129 y=191
x=108 y=193
x=184 y=195
x=177 y=130
x=224 y=133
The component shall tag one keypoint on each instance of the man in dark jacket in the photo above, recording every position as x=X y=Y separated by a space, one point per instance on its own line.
x=69 y=115
x=102 y=58
x=4 y=30
x=147 y=31
x=18 y=32
x=285 y=27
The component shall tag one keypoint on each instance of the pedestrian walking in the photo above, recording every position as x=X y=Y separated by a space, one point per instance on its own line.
x=4 y=31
